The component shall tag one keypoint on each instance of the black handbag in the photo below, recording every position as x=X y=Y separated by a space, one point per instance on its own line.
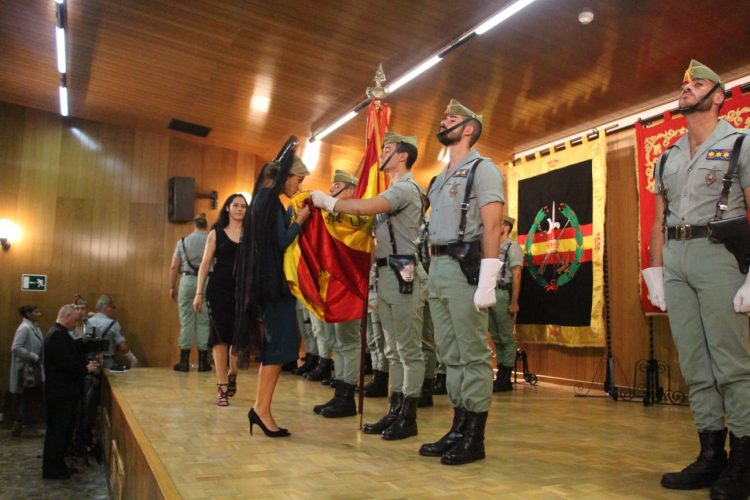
x=29 y=375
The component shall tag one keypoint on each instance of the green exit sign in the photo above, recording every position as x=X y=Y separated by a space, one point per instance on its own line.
x=34 y=282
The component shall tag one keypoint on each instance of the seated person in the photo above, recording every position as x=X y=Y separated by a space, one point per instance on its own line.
x=102 y=326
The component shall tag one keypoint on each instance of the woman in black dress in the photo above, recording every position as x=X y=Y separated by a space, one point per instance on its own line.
x=264 y=292
x=222 y=243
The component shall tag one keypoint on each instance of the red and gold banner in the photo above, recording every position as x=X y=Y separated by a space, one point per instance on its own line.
x=652 y=141
x=328 y=266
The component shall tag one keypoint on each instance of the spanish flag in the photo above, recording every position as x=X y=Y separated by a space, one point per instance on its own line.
x=327 y=267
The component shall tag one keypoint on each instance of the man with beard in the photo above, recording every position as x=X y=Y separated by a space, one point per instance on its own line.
x=467 y=202
x=699 y=281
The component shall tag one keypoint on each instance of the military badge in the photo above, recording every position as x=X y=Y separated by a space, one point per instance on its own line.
x=719 y=154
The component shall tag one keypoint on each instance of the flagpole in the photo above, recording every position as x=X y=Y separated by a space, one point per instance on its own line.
x=375 y=93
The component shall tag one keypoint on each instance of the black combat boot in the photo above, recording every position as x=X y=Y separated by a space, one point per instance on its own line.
x=446 y=442
x=390 y=417
x=705 y=470
x=406 y=423
x=318 y=408
x=470 y=447
x=440 y=387
x=378 y=386
x=203 y=364
x=343 y=402
x=184 y=364
x=321 y=372
x=734 y=482
x=502 y=382
x=425 y=400
x=311 y=361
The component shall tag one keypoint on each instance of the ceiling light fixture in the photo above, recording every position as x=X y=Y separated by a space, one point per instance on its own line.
x=620 y=123
x=501 y=16
x=586 y=16
x=431 y=61
x=62 y=66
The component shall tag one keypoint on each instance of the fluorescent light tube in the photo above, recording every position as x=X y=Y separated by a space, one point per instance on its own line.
x=60 y=36
x=413 y=74
x=502 y=16
x=64 y=101
x=336 y=124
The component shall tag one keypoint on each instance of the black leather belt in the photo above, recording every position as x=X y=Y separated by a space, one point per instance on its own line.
x=505 y=286
x=686 y=232
x=185 y=273
x=436 y=250
x=382 y=262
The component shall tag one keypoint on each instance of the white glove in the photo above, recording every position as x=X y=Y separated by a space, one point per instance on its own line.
x=322 y=200
x=485 y=295
x=132 y=360
x=654 y=278
x=742 y=297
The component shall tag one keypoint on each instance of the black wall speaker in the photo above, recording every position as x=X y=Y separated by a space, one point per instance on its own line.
x=181 y=199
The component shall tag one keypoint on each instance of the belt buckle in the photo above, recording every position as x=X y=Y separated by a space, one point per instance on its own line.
x=684 y=232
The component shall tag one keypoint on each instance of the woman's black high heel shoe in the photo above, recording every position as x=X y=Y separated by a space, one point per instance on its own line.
x=253 y=418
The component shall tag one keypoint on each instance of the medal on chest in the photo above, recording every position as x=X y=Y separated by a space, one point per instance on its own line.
x=710 y=178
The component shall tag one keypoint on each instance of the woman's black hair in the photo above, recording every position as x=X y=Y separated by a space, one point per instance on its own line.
x=26 y=310
x=258 y=259
x=223 y=220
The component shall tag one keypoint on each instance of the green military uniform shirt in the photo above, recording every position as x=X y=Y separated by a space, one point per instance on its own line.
x=694 y=184
x=447 y=194
x=511 y=256
x=405 y=199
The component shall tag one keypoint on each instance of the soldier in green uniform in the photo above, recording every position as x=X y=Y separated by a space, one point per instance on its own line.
x=185 y=263
x=700 y=282
x=464 y=246
x=401 y=280
x=506 y=307
x=344 y=336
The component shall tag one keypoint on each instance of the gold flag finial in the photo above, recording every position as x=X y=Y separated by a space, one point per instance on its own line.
x=377 y=92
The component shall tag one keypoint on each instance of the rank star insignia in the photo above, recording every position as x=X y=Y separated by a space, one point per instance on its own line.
x=719 y=154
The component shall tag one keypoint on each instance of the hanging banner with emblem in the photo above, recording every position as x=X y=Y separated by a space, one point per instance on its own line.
x=652 y=140
x=558 y=201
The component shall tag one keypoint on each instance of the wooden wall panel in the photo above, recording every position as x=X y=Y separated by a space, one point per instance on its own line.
x=91 y=200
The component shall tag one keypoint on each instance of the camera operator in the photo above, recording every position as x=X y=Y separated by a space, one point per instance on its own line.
x=65 y=367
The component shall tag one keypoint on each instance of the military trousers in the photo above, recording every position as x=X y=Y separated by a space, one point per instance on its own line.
x=428 y=342
x=401 y=316
x=460 y=335
x=322 y=340
x=347 y=348
x=190 y=321
x=376 y=342
x=501 y=328
x=305 y=328
x=700 y=281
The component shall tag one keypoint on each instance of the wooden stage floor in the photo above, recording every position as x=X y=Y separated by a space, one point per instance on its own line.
x=542 y=442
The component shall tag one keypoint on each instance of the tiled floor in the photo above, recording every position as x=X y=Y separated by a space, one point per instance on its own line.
x=21 y=473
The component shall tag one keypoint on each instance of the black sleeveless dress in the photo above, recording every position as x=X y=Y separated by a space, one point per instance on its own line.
x=220 y=291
